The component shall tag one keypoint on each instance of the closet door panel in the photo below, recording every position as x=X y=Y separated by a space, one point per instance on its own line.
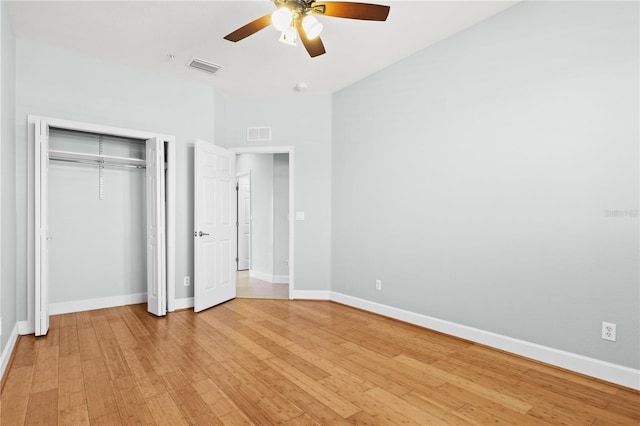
x=156 y=275
x=42 y=228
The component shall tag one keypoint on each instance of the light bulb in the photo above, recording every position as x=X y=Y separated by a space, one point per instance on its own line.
x=281 y=18
x=311 y=27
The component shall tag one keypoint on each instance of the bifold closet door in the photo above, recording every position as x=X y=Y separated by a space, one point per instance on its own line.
x=156 y=250
x=156 y=239
x=41 y=183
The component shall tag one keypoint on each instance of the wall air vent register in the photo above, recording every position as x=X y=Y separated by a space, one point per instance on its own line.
x=258 y=134
x=203 y=65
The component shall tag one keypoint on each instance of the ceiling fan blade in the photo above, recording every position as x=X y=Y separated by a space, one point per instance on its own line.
x=249 y=29
x=341 y=9
x=314 y=46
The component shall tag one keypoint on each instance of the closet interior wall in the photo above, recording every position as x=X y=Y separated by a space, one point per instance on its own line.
x=97 y=218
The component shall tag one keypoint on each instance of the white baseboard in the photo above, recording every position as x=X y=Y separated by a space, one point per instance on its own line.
x=26 y=327
x=274 y=279
x=99 y=303
x=185 y=303
x=610 y=372
x=312 y=294
x=8 y=350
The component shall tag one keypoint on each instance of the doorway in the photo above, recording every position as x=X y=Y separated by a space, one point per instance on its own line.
x=264 y=229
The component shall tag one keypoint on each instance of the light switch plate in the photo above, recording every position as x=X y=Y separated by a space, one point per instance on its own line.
x=299 y=215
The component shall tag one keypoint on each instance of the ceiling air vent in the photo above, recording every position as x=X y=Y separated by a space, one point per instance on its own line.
x=202 y=65
x=258 y=134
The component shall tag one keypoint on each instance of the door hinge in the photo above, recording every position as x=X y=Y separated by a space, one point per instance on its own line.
x=237 y=260
x=237 y=187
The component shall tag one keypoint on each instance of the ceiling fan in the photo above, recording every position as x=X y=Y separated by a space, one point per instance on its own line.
x=294 y=18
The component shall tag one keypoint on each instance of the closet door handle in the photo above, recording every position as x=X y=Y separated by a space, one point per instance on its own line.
x=200 y=234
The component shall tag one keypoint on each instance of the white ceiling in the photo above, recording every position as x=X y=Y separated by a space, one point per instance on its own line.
x=142 y=34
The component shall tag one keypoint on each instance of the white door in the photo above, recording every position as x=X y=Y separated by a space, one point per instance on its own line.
x=244 y=222
x=214 y=278
x=156 y=253
x=41 y=228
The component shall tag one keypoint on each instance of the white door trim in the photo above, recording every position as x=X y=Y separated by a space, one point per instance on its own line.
x=238 y=177
x=169 y=142
x=281 y=150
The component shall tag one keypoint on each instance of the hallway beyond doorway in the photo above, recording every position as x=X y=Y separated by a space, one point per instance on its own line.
x=252 y=288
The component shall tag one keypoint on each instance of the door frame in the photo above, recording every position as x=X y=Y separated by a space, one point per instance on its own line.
x=170 y=203
x=281 y=150
x=238 y=176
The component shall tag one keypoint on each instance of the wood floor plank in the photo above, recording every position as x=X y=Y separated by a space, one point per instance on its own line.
x=25 y=352
x=340 y=406
x=562 y=402
x=594 y=397
x=259 y=362
x=69 y=342
x=165 y=411
x=15 y=395
x=131 y=404
x=456 y=398
x=312 y=406
x=67 y=320
x=74 y=416
x=45 y=375
x=438 y=410
x=402 y=406
x=42 y=408
x=71 y=393
x=100 y=399
x=491 y=394
x=402 y=372
x=72 y=399
x=88 y=342
x=192 y=407
x=264 y=394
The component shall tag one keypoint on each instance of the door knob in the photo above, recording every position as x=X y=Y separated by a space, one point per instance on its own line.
x=200 y=234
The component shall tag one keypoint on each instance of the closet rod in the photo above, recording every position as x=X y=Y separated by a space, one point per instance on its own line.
x=98 y=163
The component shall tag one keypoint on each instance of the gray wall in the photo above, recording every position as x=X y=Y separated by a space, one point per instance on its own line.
x=80 y=88
x=303 y=122
x=8 y=218
x=98 y=247
x=280 y=214
x=478 y=178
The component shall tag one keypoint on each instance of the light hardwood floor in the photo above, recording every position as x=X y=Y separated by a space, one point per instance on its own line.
x=292 y=362
x=252 y=288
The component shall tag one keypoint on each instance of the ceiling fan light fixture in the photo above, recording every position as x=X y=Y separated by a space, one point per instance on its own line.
x=281 y=19
x=312 y=27
x=289 y=36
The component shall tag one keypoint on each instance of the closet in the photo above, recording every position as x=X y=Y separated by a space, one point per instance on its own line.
x=102 y=214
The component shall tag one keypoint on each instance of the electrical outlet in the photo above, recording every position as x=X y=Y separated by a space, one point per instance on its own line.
x=187 y=281
x=378 y=285
x=608 y=331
